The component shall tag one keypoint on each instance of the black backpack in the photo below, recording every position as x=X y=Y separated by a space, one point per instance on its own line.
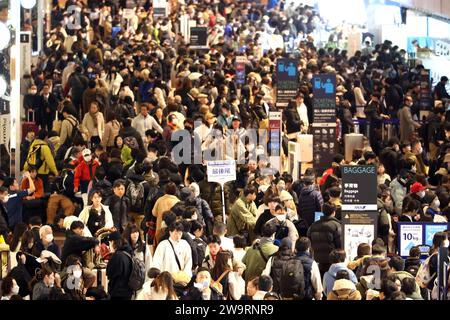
x=282 y=230
x=75 y=135
x=292 y=281
x=137 y=276
x=200 y=246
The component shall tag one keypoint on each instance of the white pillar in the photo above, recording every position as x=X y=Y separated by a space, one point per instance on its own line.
x=15 y=107
x=41 y=10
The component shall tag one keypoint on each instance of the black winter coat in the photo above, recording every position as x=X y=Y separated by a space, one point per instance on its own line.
x=4 y=230
x=325 y=236
x=118 y=272
x=309 y=201
x=292 y=120
x=389 y=158
x=262 y=219
x=76 y=244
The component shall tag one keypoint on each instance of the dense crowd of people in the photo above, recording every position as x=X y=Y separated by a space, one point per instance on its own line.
x=104 y=211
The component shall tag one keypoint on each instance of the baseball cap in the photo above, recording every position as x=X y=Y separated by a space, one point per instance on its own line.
x=86 y=152
x=417 y=187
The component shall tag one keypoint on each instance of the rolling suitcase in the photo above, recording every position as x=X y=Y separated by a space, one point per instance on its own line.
x=29 y=125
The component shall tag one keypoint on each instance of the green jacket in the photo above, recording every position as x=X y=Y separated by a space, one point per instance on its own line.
x=242 y=217
x=126 y=157
x=48 y=164
x=254 y=262
x=402 y=275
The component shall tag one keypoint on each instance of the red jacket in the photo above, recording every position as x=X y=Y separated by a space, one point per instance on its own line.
x=325 y=176
x=82 y=172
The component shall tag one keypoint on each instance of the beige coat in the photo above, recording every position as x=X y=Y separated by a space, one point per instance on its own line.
x=67 y=126
x=163 y=204
x=88 y=124
x=111 y=132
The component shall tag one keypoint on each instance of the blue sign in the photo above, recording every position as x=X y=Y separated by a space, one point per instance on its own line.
x=327 y=86
x=317 y=215
x=431 y=230
x=287 y=80
x=412 y=234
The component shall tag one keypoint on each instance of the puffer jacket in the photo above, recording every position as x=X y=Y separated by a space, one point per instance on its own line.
x=329 y=277
x=211 y=192
x=309 y=201
x=325 y=236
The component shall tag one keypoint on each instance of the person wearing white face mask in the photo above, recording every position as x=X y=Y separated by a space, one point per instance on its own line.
x=72 y=278
x=202 y=290
x=284 y=227
x=433 y=211
x=46 y=241
x=9 y=288
x=416 y=154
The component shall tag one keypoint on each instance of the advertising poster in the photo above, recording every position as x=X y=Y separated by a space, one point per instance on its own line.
x=417 y=234
x=425 y=96
x=354 y=235
x=410 y=235
x=324 y=126
x=275 y=133
x=431 y=230
x=287 y=81
x=240 y=63
x=324 y=92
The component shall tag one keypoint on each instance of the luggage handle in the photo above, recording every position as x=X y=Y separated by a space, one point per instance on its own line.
x=32 y=113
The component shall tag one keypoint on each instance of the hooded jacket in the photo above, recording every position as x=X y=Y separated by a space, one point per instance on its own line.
x=344 y=289
x=329 y=278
